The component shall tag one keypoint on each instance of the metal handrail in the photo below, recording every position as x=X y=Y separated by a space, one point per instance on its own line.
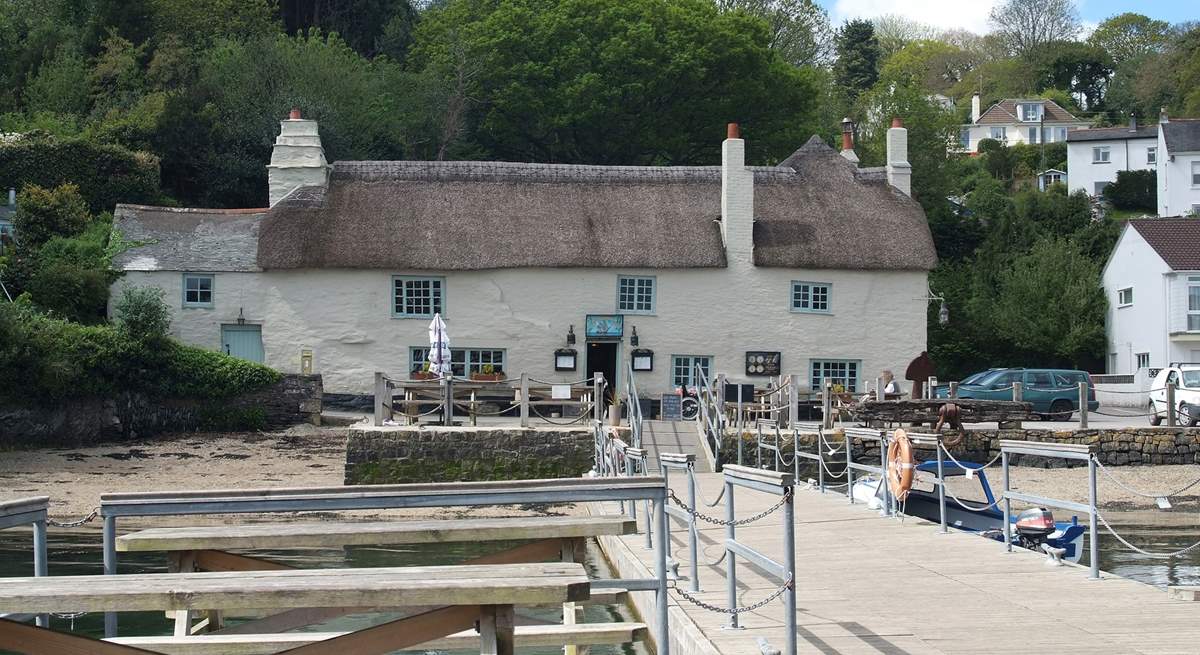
x=710 y=417
x=32 y=512
x=633 y=402
x=686 y=464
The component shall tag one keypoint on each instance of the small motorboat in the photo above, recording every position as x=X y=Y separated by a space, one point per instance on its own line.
x=1031 y=528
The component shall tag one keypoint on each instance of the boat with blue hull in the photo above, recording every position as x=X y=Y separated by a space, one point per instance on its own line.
x=976 y=508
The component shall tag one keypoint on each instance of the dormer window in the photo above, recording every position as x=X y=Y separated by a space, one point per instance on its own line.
x=1030 y=112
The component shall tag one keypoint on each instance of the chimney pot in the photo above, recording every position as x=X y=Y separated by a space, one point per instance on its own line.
x=732 y=131
x=847 y=134
x=294 y=114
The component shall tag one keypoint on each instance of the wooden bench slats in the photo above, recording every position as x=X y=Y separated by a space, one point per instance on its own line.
x=337 y=534
x=585 y=634
x=506 y=584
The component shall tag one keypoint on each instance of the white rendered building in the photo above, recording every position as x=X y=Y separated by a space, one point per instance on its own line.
x=1152 y=282
x=814 y=267
x=1013 y=121
x=1095 y=156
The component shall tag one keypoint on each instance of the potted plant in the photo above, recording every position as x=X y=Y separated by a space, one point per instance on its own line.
x=422 y=372
x=487 y=373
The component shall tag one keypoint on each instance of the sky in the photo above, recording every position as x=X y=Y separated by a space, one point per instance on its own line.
x=972 y=14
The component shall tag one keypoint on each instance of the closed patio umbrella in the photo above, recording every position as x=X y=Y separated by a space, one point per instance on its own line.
x=439 y=363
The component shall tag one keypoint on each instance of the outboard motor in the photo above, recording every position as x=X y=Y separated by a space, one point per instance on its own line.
x=1033 y=526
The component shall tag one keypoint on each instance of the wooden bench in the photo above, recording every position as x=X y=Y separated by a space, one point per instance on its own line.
x=540 y=636
x=469 y=593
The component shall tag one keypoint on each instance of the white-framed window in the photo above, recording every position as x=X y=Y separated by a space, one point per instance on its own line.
x=1125 y=297
x=964 y=138
x=683 y=369
x=198 y=290
x=999 y=133
x=1062 y=133
x=463 y=361
x=1196 y=173
x=418 y=297
x=1033 y=135
x=1143 y=360
x=811 y=296
x=1152 y=156
x=1101 y=154
x=1194 y=304
x=843 y=372
x=635 y=294
x=1030 y=112
x=1099 y=188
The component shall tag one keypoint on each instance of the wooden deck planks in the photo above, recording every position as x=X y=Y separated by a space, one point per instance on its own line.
x=519 y=584
x=868 y=584
x=336 y=534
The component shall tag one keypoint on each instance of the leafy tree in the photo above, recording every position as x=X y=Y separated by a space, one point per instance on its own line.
x=858 y=55
x=193 y=20
x=895 y=32
x=1026 y=25
x=932 y=65
x=1134 y=190
x=1082 y=69
x=46 y=213
x=60 y=86
x=1129 y=36
x=367 y=26
x=618 y=81
x=142 y=314
x=800 y=30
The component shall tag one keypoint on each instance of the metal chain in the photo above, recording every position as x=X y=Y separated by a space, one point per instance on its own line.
x=585 y=413
x=736 y=610
x=787 y=496
x=74 y=524
x=1121 y=539
x=1108 y=474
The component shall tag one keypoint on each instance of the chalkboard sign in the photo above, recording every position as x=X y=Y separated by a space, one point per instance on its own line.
x=672 y=407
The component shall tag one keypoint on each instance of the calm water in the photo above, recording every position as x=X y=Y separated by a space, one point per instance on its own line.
x=80 y=554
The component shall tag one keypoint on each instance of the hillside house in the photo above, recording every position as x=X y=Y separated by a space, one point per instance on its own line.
x=1152 y=282
x=1014 y=121
x=814 y=266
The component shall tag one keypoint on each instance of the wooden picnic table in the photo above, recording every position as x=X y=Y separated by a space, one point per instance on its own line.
x=464 y=594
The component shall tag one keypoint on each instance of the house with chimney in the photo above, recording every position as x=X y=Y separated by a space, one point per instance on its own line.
x=1015 y=120
x=814 y=267
x=1171 y=148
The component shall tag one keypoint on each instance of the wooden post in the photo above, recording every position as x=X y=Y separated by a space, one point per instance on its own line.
x=496 y=630
x=879 y=394
x=524 y=399
x=1083 y=405
x=827 y=404
x=380 y=390
x=448 y=399
x=598 y=397
x=954 y=390
x=720 y=391
x=929 y=385
x=1016 y=390
x=1171 y=418
x=793 y=402
x=474 y=416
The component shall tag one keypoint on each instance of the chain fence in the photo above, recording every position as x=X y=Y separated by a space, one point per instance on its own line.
x=736 y=610
x=1123 y=540
x=91 y=516
x=783 y=500
x=1108 y=474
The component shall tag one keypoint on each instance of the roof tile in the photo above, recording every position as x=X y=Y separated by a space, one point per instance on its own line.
x=1176 y=240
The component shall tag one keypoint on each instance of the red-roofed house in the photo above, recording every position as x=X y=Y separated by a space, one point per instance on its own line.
x=1013 y=120
x=1152 y=281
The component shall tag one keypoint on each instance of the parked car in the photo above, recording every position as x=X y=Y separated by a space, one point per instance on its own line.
x=1054 y=393
x=1186 y=378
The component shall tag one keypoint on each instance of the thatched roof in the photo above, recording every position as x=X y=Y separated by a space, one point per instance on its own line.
x=813 y=211
x=170 y=239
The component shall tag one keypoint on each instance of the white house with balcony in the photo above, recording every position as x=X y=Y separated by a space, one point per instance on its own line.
x=1152 y=282
x=813 y=267
x=1015 y=120
x=1096 y=155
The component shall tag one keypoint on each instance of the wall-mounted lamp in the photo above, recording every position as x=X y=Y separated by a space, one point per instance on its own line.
x=564 y=359
x=943 y=311
x=241 y=319
x=633 y=338
x=571 y=336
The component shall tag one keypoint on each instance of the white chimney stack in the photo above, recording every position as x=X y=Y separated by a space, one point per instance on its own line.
x=975 y=108
x=737 y=198
x=899 y=171
x=297 y=159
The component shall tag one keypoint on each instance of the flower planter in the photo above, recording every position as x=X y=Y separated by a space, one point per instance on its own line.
x=487 y=377
x=422 y=375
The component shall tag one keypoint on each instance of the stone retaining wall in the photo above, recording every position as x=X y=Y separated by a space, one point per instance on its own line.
x=392 y=455
x=1129 y=446
x=294 y=399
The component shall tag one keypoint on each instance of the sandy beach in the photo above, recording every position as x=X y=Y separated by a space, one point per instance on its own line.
x=74 y=478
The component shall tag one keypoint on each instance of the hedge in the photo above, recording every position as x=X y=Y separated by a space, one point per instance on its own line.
x=106 y=174
x=45 y=360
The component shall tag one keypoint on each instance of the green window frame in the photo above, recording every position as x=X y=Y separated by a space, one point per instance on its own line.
x=811 y=297
x=463 y=361
x=843 y=371
x=199 y=290
x=418 y=297
x=636 y=294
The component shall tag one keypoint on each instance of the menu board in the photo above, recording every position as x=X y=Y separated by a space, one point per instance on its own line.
x=672 y=407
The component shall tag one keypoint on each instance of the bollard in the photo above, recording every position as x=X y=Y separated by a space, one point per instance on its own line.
x=941 y=484
x=1083 y=405
x=827 y=404
x=380 y=390
x=524 y=400
x=954 y=390
x=1171 y=418
x=448 y=400
x=1017 y=396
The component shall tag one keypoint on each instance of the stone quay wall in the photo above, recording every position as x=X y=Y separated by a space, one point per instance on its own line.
x=87 y=421
x=1114 y=447
x=393 y=455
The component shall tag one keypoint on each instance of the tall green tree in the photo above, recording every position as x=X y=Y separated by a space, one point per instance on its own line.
x=369 y=27
x=1130 y=35
x=858 y=54
x=800 y=29
x=1026 y=25
x=618 y=81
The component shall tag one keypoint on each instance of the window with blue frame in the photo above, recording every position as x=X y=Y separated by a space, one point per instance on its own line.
x=843 y=373
x=197 y=290
x=811 y=297
x=635 y=295
x=418 y=297
x=683 y=369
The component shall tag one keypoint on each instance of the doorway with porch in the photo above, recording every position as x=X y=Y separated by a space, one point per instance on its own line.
x=602 y=358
